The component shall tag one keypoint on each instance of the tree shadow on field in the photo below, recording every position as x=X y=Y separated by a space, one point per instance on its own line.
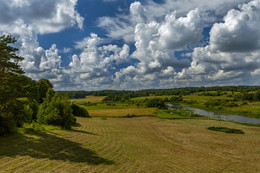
x=81 y=131
x=46 y=145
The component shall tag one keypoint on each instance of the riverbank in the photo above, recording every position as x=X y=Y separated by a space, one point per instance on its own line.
x=251 y=110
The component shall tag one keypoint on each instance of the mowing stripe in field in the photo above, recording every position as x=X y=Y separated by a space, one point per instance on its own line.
x=144 y=144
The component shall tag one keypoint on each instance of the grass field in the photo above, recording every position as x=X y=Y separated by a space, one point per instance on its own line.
x=143 y=144
x=123 y=112
x=119 y=110
x=92 y=99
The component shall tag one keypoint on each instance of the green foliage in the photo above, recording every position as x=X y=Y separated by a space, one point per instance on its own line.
x=176 y=99
x=226 y=130
x=43 y=87
x=30 y=109
x=87 y=103
x=178 y=113
x=218 y=93
x=7 y=123
x=14 y=111
x=117 y=98
x=218 y=102
x=160 y=92
x=246 y=96
x=56 y=110
x=155 y=102
x=79 y=111
x=9 y=70
x=28 y=87
x=257 y=95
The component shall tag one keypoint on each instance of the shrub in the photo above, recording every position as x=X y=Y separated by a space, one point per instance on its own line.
x=130 y=116
x=156 y=102
x=79 y=111
x=226 y=130
x=176 y=99
x=7 y=123
x=56 y=110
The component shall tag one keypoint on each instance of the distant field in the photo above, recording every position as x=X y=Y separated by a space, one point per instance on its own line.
x=143 y=144
x=115 y=110
x=92 y=99
x=251 y=109
x=123 y=112
x=119 y=110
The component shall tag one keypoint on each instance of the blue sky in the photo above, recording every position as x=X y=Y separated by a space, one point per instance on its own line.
x=131 y=44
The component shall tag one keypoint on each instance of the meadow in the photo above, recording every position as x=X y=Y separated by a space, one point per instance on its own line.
x=123 y=137
x=99 y=109
x=249 y=109
x=140 y=144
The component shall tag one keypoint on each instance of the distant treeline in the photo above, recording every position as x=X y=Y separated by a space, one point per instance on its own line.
x=158 y=92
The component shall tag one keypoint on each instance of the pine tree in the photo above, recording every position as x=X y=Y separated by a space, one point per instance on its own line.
x=9 y=71
x=10 y=86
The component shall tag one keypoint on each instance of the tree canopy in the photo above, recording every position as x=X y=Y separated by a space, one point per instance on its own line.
x=9 y=71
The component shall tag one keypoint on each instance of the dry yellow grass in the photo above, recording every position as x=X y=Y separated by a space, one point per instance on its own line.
x=144 y=144
x=123 y=112
x=92 y=99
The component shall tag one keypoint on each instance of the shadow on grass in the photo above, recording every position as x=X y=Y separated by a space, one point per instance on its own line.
x=46 y=145
x=81 y=131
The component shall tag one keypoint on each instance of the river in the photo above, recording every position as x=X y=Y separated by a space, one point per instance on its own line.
x=220 y=116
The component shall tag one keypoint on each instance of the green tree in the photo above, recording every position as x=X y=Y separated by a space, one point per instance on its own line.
x=11 y=108
x=43 y=86
x=79 y=111
x=257 y=95
x=9 y=70
x=56 y=110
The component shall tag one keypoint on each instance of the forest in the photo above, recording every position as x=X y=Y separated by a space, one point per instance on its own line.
x=159 y=92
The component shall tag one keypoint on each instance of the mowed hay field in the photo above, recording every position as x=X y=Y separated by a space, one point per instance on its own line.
x=92 y=99
x=117 y=112
x=141 y=144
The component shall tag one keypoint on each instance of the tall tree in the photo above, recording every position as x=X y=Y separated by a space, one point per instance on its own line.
x=43 y=86
x=9 y=71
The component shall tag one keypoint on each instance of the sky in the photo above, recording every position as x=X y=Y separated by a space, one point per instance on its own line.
x=133 y=45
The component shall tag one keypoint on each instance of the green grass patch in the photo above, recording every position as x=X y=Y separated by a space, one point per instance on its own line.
x=226 y=130
x=36 y=127
x=178 y=114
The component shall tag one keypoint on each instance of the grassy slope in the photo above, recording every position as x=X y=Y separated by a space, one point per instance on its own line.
x=144 y=144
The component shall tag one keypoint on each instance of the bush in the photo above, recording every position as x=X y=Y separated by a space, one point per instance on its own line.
x=156 y=102
x=7 y=123
x=79 y=111
x=56 y=110
x=226 y=130
x=176 y=99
